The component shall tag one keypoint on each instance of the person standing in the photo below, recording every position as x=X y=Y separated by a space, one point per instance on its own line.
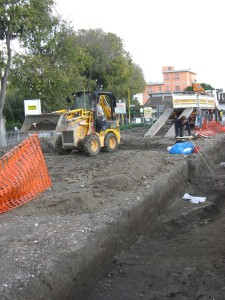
x=100 y=118
x=180 y=124
x=221 y=116
x=199 y=118
x=100 y=112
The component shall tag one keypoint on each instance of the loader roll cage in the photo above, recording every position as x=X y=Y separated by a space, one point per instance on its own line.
x=88 y=101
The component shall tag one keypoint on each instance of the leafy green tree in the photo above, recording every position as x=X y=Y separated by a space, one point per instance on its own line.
x=135 y=110
x=53 y=72
x=112 y=67
x=70 y=61
x=37 y=77
x=28 y=22
x=137 y=83
x=14 y=109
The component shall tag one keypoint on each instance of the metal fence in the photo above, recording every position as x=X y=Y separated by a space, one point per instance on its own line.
x=14 y=137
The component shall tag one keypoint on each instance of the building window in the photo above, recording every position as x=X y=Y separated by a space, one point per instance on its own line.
x=176 y=76
x=167 y=89
x=166 y=77
x=177 y=88
x=160 y=89
x=149 y=90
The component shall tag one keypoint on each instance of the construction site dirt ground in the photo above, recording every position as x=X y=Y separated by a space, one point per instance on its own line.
x=181 y=255
x=180 y=252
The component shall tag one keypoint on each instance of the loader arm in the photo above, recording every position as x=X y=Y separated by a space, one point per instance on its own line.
x=105 y=106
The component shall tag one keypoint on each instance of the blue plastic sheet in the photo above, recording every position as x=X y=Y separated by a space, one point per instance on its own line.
x=182 y=148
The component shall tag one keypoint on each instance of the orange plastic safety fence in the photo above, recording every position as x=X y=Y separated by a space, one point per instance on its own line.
x=210 y=128
x=23 y=174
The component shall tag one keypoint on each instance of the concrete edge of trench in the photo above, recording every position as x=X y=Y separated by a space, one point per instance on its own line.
x=80 y=264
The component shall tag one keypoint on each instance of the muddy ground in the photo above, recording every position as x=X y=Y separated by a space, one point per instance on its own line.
x=182 y=258
x=82 y=184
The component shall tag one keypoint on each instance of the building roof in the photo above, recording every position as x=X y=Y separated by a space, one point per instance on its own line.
x=153 y=101
x=176 y=71
x=158 y=99
x=155 y=83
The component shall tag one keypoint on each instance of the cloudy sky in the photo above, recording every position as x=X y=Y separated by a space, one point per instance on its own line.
x=180 y=33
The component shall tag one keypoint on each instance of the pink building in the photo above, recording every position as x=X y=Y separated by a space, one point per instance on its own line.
x=173 y=81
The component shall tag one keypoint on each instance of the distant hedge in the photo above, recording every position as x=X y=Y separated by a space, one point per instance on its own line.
x=130 y=126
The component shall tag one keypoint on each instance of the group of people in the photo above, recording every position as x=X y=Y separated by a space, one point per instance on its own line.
x=180 y=123
x=183 y=122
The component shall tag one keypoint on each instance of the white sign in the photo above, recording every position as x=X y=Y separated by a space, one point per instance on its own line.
x=32 y=107
x=120 y=108
x=138 y=120
x=147 y=112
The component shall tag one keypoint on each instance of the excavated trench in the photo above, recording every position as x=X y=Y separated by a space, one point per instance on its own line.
x=50 y=254
x=181 y=254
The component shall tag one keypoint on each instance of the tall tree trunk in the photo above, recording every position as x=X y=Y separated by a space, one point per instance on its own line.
x=4 y=79
x=2 y=132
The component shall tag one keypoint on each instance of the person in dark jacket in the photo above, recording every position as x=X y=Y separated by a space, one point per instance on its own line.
x=179 y=126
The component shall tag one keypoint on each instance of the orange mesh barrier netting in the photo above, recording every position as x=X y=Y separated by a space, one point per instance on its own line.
x=210 y=129
x=23 y=174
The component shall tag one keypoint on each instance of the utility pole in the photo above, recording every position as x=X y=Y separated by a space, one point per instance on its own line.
x=128 y=92
x=198 y=100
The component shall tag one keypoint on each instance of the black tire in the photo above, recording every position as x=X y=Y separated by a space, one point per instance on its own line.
x=111 y=142
x=58 y=146
x=80 y=146
x=91 y=145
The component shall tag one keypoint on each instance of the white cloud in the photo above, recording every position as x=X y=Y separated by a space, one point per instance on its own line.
x=184 y=34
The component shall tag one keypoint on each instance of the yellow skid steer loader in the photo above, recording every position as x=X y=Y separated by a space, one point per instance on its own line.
x=81 y=128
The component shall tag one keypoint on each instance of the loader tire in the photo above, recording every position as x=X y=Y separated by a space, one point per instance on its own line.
x=58 y=146
x=80 y=146
x=91 y=145
x=111 y=142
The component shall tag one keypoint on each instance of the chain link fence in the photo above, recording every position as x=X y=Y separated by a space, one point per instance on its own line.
x=14 y=137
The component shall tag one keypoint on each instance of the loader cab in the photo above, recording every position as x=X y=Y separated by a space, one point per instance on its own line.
x=88 y=101
x=82 y=100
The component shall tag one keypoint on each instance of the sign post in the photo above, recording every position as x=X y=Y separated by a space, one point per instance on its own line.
x=128 y=94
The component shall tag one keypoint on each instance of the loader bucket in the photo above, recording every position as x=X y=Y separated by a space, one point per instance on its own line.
x=44 y=122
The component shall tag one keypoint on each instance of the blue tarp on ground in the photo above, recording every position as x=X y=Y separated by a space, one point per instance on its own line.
x=182 y=148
